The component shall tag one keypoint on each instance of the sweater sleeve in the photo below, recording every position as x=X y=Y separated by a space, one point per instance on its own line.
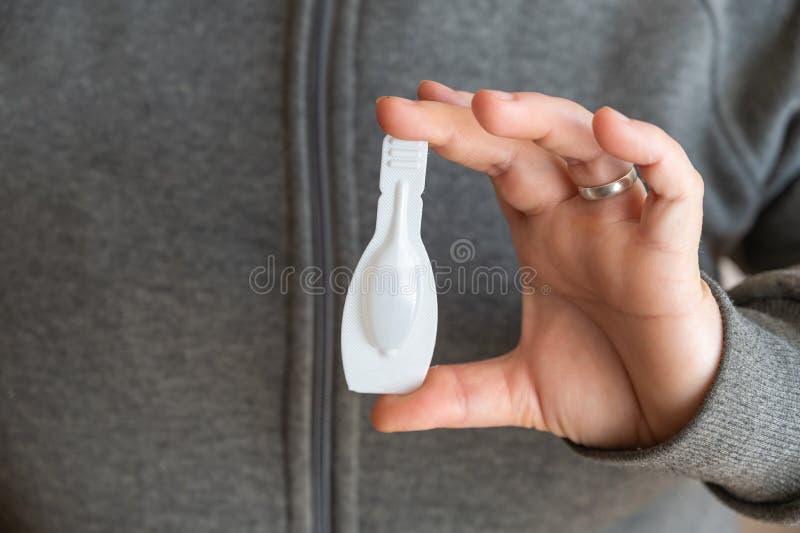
x=744 y=441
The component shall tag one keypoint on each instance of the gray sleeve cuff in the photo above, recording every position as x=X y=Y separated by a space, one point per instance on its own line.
x=744 y=441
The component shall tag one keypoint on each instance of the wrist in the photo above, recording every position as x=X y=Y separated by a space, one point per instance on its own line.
x=693 y=362
x=672 y=361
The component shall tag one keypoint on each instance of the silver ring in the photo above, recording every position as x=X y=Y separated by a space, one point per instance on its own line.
x=608 y=190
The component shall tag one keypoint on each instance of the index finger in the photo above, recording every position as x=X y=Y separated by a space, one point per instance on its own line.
x=525 y=176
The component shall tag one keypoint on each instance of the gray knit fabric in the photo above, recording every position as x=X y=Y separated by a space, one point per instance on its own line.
x=739 y=443
x=153 y=154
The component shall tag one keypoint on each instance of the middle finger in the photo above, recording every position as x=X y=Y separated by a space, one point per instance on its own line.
x=558 y=125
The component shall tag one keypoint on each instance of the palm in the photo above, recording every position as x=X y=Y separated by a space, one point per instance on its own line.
x=624 y=348
x=581 y=378
x=577 y=375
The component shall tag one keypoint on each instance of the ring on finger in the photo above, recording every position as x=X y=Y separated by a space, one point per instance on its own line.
x=618 y=186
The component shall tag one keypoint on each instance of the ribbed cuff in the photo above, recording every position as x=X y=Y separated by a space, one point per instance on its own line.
x=744 y=441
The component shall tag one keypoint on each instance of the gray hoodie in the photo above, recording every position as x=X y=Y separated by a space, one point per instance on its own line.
x=154 y=155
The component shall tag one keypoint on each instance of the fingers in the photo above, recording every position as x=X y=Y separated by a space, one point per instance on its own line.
x=672 y=216
x=525 y=176
x=494 y=392
x=493 y=136
x=451 y=130
x=561 y=126
x=600 y=148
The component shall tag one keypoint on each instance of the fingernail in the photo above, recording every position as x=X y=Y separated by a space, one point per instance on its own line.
x=619 y=115
x=500 y=95
x=440 y=84
x=396 y=98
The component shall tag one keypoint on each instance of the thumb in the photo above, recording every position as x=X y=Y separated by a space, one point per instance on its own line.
x=493 y=392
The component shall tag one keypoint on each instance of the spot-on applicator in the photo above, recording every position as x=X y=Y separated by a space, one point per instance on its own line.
x=390 y=313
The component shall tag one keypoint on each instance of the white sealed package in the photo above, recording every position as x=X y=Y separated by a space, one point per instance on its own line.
x=390 y=312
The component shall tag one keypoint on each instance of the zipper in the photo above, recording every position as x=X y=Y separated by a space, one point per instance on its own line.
x=322 y=392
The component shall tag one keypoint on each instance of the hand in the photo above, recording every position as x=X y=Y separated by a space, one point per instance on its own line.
x=624 y=350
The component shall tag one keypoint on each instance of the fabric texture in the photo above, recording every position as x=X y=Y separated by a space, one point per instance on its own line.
x=745 y=440
x=156 y=156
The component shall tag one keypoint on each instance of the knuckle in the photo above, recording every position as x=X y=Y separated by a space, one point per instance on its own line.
x=695 y=187
x=502 y=165
x=699 y=184
x=458 y=390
